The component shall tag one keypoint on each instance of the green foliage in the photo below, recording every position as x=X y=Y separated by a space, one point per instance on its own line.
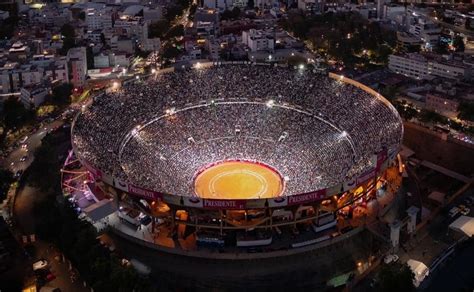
x=58 y=223
x=68 y=34
x=192 y=11
x=343 y=36
x=158 y=29
x=427 y=116
x=466 y=111
x=82 y=15
x=62 y=94
x=89 y=57
x=14 y=114
x=6 y=179
x=231 y=14
x=175 y=31
x=393 y=278
x=43 y=173
x=171 y=52
x=7 y=27
x=458 y=44
x=405 y=111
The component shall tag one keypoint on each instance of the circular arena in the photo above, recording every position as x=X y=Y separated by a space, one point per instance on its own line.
x=239 y=150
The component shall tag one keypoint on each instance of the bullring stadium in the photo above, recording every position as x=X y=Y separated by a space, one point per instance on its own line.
x=235 y=156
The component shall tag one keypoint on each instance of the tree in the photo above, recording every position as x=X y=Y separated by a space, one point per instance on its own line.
x=8 y=26
x=466 y=111
x=158 y=29
x=62 y=94
x=82 y=15
x=68 y=34
x=175 y=31
x=14 y=114
x=6 y=179
x=458 y=43
x=89 y=57
x=395 y=278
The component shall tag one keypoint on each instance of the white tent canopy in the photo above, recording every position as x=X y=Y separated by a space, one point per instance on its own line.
x=419 y=269
x=464 y=224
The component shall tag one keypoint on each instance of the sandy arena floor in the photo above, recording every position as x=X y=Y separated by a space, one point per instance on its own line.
x=238 y=180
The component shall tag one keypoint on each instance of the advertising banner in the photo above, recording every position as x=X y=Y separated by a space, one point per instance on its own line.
x=147 y=194
x=223 y=204
x=308 y=197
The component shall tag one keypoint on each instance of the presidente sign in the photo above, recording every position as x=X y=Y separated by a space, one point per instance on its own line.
x=308 y=197
x=224 y=204
x=147 y=194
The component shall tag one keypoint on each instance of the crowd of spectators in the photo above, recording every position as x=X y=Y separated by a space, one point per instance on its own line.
x=157 y=133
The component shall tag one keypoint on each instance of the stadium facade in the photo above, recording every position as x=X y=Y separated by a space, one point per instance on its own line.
x=336 y=152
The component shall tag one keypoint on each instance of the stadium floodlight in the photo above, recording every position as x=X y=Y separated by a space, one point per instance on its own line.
x=198 y=65
x=301 y=66
x=153 y=71
x=270 y=103
x=137 y=77
x=344 y=134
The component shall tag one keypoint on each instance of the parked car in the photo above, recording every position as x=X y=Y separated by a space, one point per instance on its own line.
x=464 y=210
x=39 y=265
x=18 y=174
x=454 y=211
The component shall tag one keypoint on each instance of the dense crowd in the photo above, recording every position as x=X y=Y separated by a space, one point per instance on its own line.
x=317 y=132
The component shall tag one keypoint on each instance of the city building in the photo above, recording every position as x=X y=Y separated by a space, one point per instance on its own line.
x=426 y=66
x=33 y=96
x=220 y=5
x=444 y=105
x=77 y=61
x=259 y=40
x=408 y=43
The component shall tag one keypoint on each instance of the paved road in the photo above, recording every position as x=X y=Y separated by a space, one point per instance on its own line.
x=13 y=162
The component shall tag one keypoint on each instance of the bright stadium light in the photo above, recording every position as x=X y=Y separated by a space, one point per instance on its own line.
x=270 y=103
x=137 y=77
x=198 y=65
x=153 y=71
x=301 y=66
x=344 y=134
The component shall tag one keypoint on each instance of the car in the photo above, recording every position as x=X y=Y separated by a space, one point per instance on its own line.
x=40 y=264
x=18 y=174
x=391 y=258
x=23 y=140
x=454 y=211
x=464 y=210
x=50 y=277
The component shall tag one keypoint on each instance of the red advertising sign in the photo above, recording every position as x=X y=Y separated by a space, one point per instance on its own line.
x=147 y=194
x=308 y=197
x=224 y=204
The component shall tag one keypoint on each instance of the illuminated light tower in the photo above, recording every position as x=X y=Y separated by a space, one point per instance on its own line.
x=270 y=103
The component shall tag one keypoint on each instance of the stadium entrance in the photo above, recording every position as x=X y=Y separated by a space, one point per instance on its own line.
x=236 y=180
